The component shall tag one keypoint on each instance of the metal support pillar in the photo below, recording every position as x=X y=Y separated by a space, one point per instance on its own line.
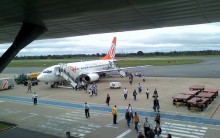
x=28 y=33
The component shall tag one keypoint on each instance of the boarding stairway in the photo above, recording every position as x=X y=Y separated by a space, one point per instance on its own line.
x=64 y=71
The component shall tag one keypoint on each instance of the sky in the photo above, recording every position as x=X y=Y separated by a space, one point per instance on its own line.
x=181 y=38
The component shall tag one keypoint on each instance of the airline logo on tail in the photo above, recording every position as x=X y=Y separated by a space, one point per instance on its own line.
x=111 y=53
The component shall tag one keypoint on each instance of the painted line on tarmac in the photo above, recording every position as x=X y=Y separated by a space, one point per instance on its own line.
x=214 y=128
x=32 y=115
x=122 y=111
x=123 y=134
x=95 y=104
x=122 y=118
x=54 y=94
x=58 y=107
x=215 y=111
x=204 y=112
x=111 y=125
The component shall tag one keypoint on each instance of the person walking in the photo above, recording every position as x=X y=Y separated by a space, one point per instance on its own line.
x=131 y=111
x=169 y=136
x=114 y=112
x=146 y=127
x=94 y=88
x=150 y=134
x=84 y=85
x=107 y=99
x=155 y=93
x=140 y=135
x=131 y=79
x=157 y=119
x=157 y=130
x=139 y=88
x=86 y=106
x=29 y=86
x=134 y=94
x=156 y=105
x=147 y=93
x=136 y=121
x=128 y=117
x=90 y=92
x=143 y=78
x=125 y=93
x=34 y=98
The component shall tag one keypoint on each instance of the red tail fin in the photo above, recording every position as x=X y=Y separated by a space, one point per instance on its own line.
x=111 y=53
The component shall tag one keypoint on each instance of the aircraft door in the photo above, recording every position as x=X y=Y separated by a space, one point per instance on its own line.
x=115 y=64
x=57 y=70
x=110 y=64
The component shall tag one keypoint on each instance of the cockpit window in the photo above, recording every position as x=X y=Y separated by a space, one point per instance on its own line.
x=47 y=71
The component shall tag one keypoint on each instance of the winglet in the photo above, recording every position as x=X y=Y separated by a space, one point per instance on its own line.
x=111 y=53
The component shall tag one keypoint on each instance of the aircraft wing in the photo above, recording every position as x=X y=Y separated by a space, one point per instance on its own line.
x=101 y=71
x=124 y=68
x=120 y=70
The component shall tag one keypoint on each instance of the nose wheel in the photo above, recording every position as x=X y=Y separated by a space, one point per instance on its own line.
x=55 y=85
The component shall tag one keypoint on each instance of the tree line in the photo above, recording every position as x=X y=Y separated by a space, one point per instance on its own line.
x=139 y=54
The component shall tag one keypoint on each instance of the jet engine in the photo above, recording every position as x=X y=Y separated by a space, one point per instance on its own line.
x=92 y=77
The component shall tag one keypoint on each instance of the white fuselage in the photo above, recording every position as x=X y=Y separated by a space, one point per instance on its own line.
x=77 y=69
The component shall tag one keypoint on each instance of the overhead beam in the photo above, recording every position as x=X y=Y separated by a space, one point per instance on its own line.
x=28 y=33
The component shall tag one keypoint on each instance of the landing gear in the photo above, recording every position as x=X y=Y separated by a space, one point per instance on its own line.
x=55 y=85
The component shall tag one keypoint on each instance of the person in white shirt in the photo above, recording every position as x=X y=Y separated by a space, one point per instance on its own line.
x=125 y=93
x=147 y=93
x=146 y=127
x=34 y=98
x=131 y=111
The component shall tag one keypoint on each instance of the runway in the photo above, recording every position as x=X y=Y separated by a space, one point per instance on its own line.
x=207 y=69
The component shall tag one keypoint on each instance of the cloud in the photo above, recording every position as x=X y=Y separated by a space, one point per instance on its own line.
x=181 y=38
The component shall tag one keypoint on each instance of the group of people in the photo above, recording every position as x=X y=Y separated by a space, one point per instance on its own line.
x=131 y=118
x=93 y=90
x=149 y=131
x=81 y=85
x=139 y=88
x=156 y=105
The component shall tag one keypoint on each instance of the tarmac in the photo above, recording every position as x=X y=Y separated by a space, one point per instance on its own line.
x=60 y=110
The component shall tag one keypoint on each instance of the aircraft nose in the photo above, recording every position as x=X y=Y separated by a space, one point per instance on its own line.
x=40 y=77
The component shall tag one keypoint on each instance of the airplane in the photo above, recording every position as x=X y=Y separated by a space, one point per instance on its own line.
x=90 y=71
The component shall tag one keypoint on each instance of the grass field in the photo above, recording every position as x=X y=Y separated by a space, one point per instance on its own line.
x=121 y=63
x=130 y=63
x=4 y=126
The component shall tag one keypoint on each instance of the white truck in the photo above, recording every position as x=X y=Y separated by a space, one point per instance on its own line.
x=6 y=83
x=115 y=85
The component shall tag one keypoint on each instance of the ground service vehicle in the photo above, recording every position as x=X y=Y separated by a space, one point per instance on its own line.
x=24 y=78
x=33 y=75
x=21 y=79
x=6 y=83
x=116 y=85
